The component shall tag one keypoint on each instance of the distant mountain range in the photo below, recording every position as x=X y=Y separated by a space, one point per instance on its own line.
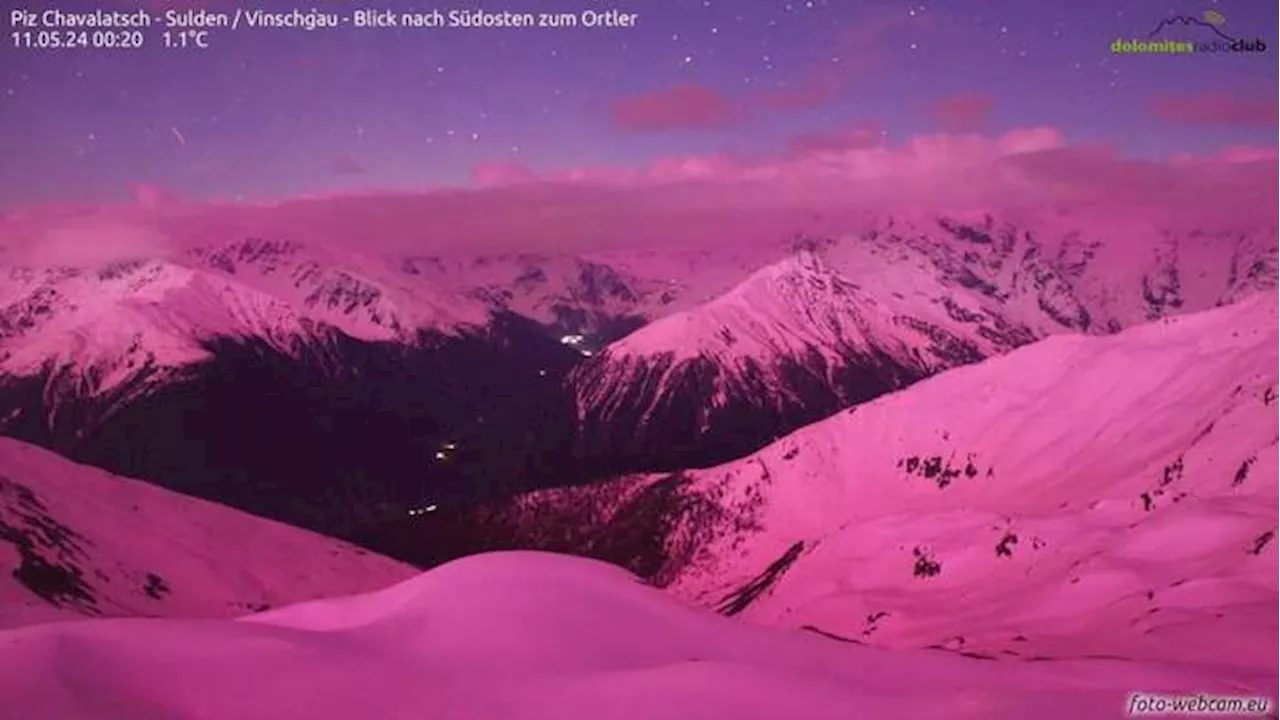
x=228 y=371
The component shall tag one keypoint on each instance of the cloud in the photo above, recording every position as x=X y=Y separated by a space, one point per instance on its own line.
x=697 y=107
x=152 y=196
x=347 y=164
x=815 y=184
x=683 y=107
x=962 y=113
x=816 y=87
x=1216 y=108
x=1236 y=187
x=503 y=174
x=82 y=236
x=855 y=52
x=1244 y=154
x=1020 y=141
x=858 y=137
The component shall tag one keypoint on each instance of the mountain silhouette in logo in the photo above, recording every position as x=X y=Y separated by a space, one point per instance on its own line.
x=1188 y=20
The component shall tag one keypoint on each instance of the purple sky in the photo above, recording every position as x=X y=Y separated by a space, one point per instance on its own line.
x=277 y=113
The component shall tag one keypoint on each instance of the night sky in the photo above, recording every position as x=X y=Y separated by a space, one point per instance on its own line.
x=273 y=113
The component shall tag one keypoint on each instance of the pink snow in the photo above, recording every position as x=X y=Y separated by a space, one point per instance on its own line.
x=1073 y=429
x=531 y=636
x=213 y=560
x=1066 y=436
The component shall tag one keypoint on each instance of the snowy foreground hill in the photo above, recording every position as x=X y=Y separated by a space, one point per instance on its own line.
x=577 y=640
x=1080 y=497
x=77 y=541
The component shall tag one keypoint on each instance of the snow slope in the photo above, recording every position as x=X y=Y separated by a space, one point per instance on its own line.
x=1078 y=497
x=798 y=309
x=77 y=541
x=578 y=640
x=145 y=321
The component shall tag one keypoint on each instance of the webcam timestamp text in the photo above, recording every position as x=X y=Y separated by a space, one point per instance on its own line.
x=107 y=39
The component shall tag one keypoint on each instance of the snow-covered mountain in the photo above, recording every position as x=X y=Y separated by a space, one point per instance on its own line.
x=76 y=541
x=845 y=320
x=1082 y=496
x=792 y=343
x=155 y=312
x=577 y=639
x=225 y=371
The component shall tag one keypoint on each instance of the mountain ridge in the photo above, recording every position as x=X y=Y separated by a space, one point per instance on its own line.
x=81 y=542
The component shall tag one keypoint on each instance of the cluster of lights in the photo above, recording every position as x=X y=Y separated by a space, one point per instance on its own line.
x=423 y=510
x=575 y=341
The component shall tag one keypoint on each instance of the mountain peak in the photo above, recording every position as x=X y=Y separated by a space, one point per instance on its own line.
x=804 y=273
x=773 y=309
x=229 y=256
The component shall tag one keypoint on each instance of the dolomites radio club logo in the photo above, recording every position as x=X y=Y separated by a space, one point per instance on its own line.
x=1188 y=35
